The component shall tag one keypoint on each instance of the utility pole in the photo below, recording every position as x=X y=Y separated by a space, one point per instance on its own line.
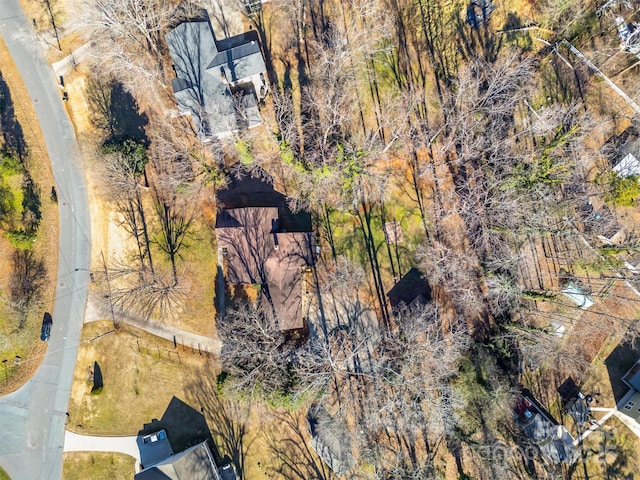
x=52 y=19
x=598 y=72
x=106 y=274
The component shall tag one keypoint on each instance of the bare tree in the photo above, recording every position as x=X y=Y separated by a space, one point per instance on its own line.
x=128 y=36
x=28 y=276
x=142 y=293
x=174 y=209
x=410 y=414
x=122 y=175
x=254 y=351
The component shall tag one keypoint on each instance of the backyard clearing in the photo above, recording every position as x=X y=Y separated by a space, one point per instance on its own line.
x=20 y=347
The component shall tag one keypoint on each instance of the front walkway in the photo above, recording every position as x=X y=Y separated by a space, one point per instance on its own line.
x=162 y=330
x=615 y=411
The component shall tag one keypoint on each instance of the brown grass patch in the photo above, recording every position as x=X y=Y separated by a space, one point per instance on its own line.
x=97 y=466
x=141 y=373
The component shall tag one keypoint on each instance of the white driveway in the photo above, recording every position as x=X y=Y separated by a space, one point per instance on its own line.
x=88 y=443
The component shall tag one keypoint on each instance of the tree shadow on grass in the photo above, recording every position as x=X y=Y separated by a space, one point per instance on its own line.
x=10 y=128
x=228 y=420
x=294 y=457
x=116 y=112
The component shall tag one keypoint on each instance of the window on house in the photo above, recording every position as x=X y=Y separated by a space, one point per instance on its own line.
x=629 y=405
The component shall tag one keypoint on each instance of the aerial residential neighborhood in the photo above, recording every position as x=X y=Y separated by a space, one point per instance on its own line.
x=300 y=240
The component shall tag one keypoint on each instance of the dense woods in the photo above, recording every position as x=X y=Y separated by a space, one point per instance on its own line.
x=471 y=130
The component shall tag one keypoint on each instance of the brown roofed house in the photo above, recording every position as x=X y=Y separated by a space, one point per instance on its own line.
x=257 y=250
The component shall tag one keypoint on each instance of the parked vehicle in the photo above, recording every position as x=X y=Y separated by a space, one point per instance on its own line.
x=45 y=331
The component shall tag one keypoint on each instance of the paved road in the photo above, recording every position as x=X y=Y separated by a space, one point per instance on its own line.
x=32 y=419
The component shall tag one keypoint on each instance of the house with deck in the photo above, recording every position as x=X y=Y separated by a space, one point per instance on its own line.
x=553 y=440
x=262 y=244
x=218 y=83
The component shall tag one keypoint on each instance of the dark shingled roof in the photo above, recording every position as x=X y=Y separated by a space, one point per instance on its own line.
x=331 y=440
x=632 y=377
x=410 y=290
x=243 y=190
x=259 y=252
x=554 y=441
x=237 y=40
x=184 y=430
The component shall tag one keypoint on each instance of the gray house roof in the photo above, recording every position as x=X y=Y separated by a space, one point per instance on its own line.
x=240 y=62
x=154 y=447
x=554 y=441
x=195 y=463
x=412 y=290
x=205 y=71
x=632 y=377
x=331 y=440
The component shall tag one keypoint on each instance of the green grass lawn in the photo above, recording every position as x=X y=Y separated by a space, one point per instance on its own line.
x=4 y=475
x=349 y=238
x=96 y=466
x=21 y=350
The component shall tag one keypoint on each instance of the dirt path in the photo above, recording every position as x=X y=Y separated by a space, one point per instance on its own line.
x=168 y=332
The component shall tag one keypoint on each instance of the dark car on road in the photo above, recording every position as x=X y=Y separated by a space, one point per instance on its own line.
x=45 y=332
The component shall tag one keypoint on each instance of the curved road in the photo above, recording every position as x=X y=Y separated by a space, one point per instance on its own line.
x=32 y=419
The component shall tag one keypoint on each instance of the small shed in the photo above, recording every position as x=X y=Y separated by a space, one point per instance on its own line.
x=478 y=12
x=393 y=233
x=411 y=290
x=574 y=402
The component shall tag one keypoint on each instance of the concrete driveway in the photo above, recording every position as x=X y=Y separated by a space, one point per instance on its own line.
x=32 y=419
x=88 y=443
